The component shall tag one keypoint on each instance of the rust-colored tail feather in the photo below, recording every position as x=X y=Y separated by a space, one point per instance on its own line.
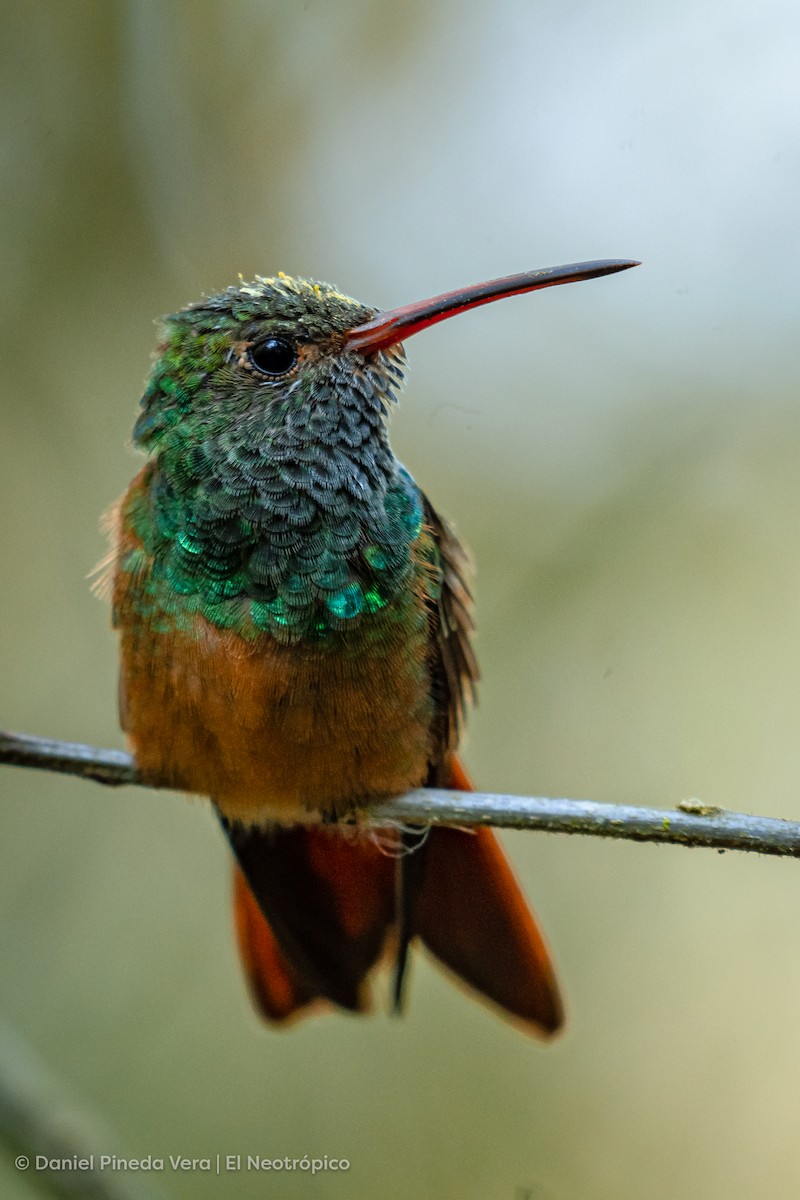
x=279 y=990
x=316 y=905
x=472 y=915
x=328 y=900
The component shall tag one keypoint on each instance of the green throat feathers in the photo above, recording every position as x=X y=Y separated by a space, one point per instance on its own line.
x=273 y=502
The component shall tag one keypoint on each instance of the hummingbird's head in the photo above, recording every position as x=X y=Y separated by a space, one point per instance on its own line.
x=281 y=364
x=270 y=360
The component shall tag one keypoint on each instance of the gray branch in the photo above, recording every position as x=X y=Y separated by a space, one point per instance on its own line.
x=690 y=824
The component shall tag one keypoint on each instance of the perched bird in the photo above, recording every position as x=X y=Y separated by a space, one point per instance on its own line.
x=295 y=622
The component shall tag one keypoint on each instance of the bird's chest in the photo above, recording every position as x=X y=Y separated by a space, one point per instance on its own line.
x=271 y=730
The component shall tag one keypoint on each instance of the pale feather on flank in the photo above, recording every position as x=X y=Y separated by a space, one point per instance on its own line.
x=103 y=573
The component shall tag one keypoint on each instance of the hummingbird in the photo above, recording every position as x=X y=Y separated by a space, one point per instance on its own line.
x=295 y=622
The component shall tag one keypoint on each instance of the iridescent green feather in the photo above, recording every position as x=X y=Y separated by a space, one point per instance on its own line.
x=275 y=507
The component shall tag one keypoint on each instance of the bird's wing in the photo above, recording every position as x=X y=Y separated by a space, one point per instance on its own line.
x=454 y=669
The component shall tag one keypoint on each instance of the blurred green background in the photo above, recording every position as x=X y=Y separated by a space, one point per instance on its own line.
x=622 y=458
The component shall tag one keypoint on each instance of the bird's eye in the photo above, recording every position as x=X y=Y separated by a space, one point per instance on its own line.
x=274 y=356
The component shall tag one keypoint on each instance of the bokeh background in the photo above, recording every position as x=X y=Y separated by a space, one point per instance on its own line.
x=622 y=457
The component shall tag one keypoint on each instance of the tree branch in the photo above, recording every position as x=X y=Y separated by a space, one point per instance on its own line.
x=113 y=768
x=690 y=824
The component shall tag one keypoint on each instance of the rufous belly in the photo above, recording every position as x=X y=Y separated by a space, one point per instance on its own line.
x=275 y=732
